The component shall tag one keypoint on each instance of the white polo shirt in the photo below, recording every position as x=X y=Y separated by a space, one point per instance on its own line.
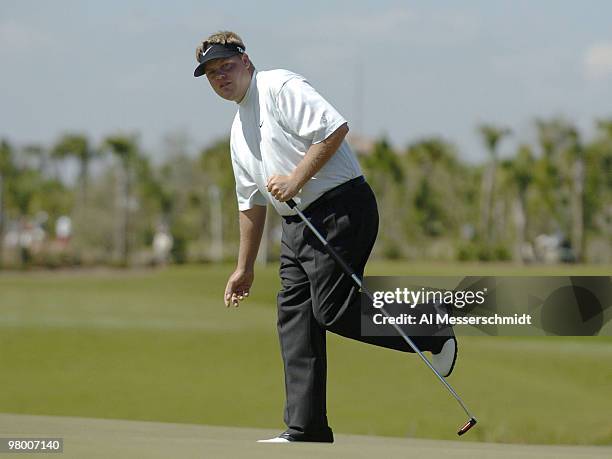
x=280 y=117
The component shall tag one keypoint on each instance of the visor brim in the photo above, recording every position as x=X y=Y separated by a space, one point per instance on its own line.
x=214 y=53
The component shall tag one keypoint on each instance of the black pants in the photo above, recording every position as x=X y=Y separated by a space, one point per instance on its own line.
x=316 y=296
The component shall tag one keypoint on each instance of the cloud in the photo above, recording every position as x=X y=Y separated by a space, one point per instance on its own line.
x=598 y=61
x=393 y=26
x=18 y=37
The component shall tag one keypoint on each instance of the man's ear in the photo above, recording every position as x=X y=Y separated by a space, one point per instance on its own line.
x=245 y=60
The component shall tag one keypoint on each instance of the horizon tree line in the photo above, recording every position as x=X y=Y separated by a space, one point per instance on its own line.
x=433 y=204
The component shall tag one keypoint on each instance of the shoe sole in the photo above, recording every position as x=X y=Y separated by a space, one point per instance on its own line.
x=454 y=359
x=452 y=365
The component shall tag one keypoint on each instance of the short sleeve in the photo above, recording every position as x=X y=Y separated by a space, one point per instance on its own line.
x=247 y=193
x=305 y=113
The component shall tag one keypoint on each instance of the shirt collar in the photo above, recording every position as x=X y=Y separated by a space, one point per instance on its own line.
x=247 y=95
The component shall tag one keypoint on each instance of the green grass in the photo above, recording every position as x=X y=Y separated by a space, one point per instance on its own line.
x=160 y=345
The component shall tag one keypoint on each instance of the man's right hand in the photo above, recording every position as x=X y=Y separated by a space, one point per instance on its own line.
x=238 y=287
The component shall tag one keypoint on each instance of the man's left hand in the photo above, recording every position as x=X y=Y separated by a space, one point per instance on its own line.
x=283 y=187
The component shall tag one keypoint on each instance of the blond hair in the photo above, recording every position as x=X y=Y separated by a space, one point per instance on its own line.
x=223 y=37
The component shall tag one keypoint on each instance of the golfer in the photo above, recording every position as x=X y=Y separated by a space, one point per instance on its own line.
x=288 y=142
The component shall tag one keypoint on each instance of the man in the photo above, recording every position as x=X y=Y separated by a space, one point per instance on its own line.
x=287 y=142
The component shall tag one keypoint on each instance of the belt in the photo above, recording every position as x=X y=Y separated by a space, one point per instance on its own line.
x=328 y=196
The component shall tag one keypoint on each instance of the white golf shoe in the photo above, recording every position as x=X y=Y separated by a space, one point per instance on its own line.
x=444 y=361
x=286 y=437
x=275 y=440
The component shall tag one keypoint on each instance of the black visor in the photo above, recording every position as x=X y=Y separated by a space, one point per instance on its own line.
x=216 y=51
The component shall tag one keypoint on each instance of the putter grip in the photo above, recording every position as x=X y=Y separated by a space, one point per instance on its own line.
x=291 y=203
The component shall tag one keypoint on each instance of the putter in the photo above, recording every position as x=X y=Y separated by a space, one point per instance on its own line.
x=349 y=272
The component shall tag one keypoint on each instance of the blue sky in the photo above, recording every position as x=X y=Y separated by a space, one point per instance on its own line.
x=402 y=69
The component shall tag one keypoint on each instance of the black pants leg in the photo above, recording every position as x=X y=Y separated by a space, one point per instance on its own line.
x=302 y=342
x=316 y=295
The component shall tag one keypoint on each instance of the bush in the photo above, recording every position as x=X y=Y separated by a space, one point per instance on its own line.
x=391 y=251
x=480 y=252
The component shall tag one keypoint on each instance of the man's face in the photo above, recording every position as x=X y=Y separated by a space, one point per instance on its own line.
x=230 y=77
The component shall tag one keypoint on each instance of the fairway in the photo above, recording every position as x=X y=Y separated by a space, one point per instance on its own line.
x=160 y=346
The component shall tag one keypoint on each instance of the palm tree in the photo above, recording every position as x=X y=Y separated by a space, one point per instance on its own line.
x=562 y=177
x=519 y=174
x=125 y=150
x=576 y=153
x=77 y=146
x=215 y=163
x=491 y=136
x=434 y=159
x=38 y=156
x=598 y=193
x=6 y=167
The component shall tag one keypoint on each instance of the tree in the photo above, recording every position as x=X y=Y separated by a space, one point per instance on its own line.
x=491 y=136
x=38 y=156
x=519 y=176
x=598 y=189
x=434 y=159
x=6 y=169
x=384 y=171
x=383 y=164
x=575 y=152
x=561 y=177
x=77 y=146
x=155 y=188
x=216 y=164
x=125 y=149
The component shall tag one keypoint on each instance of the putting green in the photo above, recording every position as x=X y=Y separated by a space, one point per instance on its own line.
x=104 y=438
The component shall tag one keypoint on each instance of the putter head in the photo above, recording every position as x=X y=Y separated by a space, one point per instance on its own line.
x=467 y=426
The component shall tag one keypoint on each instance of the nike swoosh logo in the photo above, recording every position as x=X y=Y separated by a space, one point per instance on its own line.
x=204 y=53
